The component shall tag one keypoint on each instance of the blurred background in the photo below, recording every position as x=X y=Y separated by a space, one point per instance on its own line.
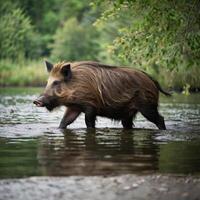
x=160 y=37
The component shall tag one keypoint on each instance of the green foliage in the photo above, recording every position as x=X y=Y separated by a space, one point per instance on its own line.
x=157 y=36
x=16 y=33
x=186 y=89
x=160 y=37
x=26 y=73
x=156 y=32
x=74 y=41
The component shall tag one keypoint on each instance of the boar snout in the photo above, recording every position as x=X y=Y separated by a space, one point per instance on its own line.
x=39 y=102
x=50 y=102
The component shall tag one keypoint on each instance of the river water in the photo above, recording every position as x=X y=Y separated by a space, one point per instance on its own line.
x=32 y=145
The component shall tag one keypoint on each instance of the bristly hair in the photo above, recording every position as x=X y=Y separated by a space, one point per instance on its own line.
x=57 y=67
x=104 y=86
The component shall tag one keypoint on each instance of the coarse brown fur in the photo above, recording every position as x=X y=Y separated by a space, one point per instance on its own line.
x=92 y=84
x=101 y=90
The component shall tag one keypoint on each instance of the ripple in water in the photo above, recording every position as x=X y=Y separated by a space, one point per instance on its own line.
x=31 y=144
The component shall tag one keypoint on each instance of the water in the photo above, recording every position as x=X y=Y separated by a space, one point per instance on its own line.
x=32 y=145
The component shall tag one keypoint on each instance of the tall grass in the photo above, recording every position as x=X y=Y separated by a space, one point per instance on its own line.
x=33 y=73
x=179 y=79
x=25 y=73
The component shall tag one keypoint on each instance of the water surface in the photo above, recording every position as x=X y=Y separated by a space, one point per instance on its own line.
x=32 y=145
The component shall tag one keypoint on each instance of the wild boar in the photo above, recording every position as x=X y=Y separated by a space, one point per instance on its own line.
x=96 y=89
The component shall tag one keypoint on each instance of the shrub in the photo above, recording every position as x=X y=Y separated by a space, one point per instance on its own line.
x=16 y=33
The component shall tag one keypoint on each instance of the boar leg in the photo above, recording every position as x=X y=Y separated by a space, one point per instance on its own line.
x=127 y=122
x=90 y=117
x=70 y=115
x=150 y=112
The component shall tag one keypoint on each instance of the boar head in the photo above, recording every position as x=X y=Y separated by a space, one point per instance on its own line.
x=58 y=78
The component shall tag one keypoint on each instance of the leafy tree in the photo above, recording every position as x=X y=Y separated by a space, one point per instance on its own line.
x=16 y=33
x=154 y=33
x=48 y=16
x=75 y=41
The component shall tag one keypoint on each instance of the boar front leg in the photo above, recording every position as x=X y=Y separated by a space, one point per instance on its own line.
x=70 y=115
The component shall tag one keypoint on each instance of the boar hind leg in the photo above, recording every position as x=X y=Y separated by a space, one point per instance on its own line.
x=90 y=117
x=70 y=115
x=127 y=122
x=151 y=113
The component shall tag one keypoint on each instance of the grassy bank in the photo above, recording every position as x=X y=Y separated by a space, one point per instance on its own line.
x=27 y=73
x=187 y=79
x=33 y=73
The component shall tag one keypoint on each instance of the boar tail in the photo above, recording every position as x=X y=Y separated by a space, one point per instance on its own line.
x=160 y=88
x=158 y=85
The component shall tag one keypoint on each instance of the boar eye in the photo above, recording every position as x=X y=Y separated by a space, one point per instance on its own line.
x=55 y=83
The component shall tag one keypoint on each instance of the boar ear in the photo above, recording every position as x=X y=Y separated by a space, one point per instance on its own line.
x=66 y=72
x=49 y=66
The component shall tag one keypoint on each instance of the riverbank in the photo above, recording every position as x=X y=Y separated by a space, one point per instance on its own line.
x=33 y=73
x=126 y=187
x=27 y=73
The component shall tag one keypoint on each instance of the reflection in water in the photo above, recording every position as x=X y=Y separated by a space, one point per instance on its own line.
x=31 y=145
x=98 y=153
x=18 y=158
x=180 y=157
x=103 y=152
